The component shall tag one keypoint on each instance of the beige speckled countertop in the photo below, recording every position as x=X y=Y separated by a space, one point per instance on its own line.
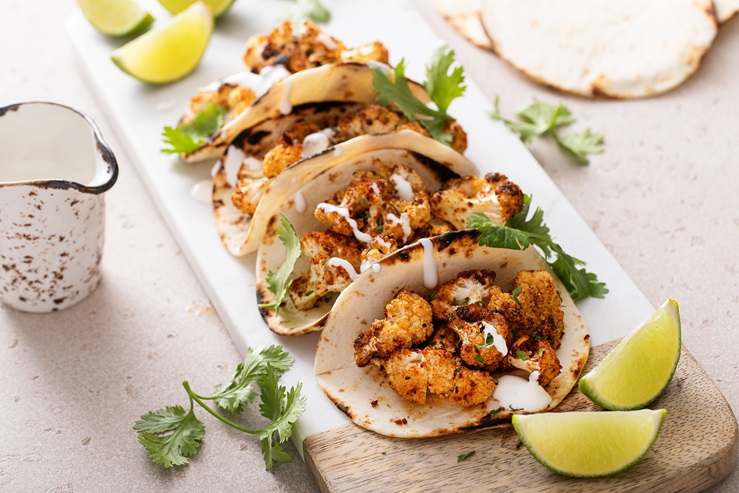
x=663 y=199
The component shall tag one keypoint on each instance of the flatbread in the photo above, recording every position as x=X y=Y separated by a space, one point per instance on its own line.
x=364 y=395
x=725 y=9
x=464 y=16
x=317 y=178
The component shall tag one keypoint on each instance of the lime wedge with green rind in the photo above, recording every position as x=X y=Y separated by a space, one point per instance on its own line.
x=169 y=52
x=116 y=17
x=589 y=444
x=641 y=366
x=218 y=7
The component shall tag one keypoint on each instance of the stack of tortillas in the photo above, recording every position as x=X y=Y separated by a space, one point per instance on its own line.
x=595 y=48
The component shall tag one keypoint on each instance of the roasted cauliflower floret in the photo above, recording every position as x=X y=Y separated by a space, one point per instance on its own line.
x=467 y=288
x=372 y=119
x=407 y=375
x=374 y=51
x=288 y=149
x=484 y=337
x=381 y=246
x=247 y=193
x=441 y=368
x=445 y=338
x=494 y=195
x=531 y=355
x=325 y=275
x=472 y=387
x=309 y=47
x=407 y=322
x=233 y=97
x=391 y=201
x=541 y=306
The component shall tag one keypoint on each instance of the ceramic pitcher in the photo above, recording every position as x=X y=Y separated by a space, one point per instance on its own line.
x=54 y=168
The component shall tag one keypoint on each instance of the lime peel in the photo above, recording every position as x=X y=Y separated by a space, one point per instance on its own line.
x=218 y=7
x=589 y=444
x=169 y=52
x=641 y=366
x=116 y=17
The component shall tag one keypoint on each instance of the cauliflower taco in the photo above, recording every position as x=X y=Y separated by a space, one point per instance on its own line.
x=447 y=336
x=380 y=193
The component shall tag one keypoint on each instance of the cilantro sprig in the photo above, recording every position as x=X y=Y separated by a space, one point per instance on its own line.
x=172 y=435
x=310 y=10
x=279 y=282
x=538 y=119
x=444 y=84
x=520 y=232
x=186 y=138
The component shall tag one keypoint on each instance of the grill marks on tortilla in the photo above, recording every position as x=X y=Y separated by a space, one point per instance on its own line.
x=625 y=49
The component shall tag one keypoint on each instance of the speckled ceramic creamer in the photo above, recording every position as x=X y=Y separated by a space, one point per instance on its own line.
x=54 y=168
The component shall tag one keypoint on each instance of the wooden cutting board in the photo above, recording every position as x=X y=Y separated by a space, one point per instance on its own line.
x=697 y=447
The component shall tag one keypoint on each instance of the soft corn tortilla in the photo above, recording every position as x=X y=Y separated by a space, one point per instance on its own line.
x=597 y=48
x=464 y=16
x=346 y=82
x=364 y=395
x=317 y=178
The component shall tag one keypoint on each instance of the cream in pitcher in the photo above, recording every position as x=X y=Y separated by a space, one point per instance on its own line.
x=54 y=168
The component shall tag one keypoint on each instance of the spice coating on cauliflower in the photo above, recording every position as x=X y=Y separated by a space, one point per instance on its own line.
x=407 y=322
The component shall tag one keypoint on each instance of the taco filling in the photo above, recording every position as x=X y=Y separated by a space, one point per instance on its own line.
x=383 y=210
x=310 y=131
x=456 y=343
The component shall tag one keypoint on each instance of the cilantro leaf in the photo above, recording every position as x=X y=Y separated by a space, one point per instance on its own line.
x=580 y=144
x=465 y=456
x=186 y=138
x=521 y=231
x=282 y=408
x=539 y=119
x=442 y=87
x=310 y=10
x=170 y=435
x=279 y=282
x=239 y=389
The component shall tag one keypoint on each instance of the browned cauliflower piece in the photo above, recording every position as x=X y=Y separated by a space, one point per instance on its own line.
x=473 y=327
x=234 y=97
x=407 y=322
x=472 y=387
x=374 y=51
x=248 y=192
x=324 y=277
x=288 y=149
x=441 y=368
x=459 y=136
x=309 y=47
x=531 y=355
x=541 y=307
x=391 y=201
x=469 y=287
x=494 y=195
x=407 y=375
x=445 y=338
x=372 y=119
x=381 y=246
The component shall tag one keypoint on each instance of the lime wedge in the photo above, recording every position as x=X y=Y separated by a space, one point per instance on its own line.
x=641 y=366
x=218 y=7
x=592 y=444
x=116 y=17
x=169 y=52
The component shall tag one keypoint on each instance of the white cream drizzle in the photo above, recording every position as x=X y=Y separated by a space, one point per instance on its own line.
x=403 y=187
x=376 y=267
x=338 y=150
x=232 y=164
x=314 y=143
x=340 y=262
x=285 y=106
x=430 y=272
x=498 y=340
x=375 y=189
x=384 y=244
x=383 y=67
x=202 y=191
x=299 y=202
x=344 y=212
x=517 y=393
x=404 y=221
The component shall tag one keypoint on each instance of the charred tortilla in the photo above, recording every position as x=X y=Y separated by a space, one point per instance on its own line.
x=363 y=393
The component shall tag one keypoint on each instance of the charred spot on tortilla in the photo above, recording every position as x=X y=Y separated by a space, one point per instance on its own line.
x=441 y=171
